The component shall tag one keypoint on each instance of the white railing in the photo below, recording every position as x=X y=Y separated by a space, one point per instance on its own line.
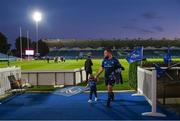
x=4 y=73
x=55 y=77
x=147 y=86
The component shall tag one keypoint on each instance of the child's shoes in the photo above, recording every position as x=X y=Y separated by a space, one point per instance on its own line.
x=95 y=99
x=89 y=101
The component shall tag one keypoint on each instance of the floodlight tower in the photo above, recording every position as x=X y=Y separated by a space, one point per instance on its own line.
x=37 y=16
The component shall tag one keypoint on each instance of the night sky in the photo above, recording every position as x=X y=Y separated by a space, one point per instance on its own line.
x=85 y=19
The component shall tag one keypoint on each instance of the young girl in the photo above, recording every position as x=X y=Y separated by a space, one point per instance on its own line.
x=92 y=84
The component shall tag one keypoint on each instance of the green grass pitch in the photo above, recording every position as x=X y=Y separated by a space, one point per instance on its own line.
x=73 y=64
x=70 y=64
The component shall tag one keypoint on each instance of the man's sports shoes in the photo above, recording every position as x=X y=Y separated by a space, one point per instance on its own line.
x=112 y=96
x=89 y=101
x=108 y=102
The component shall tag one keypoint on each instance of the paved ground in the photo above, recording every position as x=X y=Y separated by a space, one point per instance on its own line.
x=52 y=106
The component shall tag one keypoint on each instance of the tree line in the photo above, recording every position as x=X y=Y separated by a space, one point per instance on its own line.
x=5 y=47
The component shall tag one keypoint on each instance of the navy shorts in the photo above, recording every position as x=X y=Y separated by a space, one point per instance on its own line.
x=109 y=82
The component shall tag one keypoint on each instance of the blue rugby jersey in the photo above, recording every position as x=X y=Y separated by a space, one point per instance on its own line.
x=91 y=82
x=110 y=65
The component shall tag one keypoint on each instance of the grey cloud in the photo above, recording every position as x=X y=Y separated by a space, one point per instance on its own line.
x=158 y=28
x=151 y=15
x=138 y=29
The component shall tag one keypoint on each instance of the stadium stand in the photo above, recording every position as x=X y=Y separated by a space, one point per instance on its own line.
x=79 y=53
x=4 y=57
x=96 y=53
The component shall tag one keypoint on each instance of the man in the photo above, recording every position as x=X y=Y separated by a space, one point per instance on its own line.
x=47 y=58
x=61 y=58
x=88 y=67
x=64 y=59
x=77 y=58
x=109 y=64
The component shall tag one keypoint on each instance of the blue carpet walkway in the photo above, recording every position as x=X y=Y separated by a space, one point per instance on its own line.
x=51 y=106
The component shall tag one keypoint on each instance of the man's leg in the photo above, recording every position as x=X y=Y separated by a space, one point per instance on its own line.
x=112 y=98
x=110 y=94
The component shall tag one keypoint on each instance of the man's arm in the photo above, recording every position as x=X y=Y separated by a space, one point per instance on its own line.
x=101 y=69
x=119 y=65
x=85 y=65
x=91 y=62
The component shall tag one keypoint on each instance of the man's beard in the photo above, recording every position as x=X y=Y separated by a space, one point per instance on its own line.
x=106 y=57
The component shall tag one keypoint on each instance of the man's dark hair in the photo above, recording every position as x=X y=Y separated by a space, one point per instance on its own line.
x=108 y=50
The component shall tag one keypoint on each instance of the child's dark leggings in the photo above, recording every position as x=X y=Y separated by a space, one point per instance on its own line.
x=93 y=90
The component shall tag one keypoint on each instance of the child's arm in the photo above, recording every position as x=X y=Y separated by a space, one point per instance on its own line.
x=96 y=79
x=87 y=85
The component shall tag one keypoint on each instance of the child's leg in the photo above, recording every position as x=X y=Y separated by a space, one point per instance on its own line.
x=95 y=91
x=91 y=92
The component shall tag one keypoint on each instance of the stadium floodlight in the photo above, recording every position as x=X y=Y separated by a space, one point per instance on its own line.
x=37 y=16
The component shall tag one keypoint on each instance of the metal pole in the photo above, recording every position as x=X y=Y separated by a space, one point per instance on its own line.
x=37 y=37
x=20 y=42
x=28 y=42
x=8 y=58
x=142 y=56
